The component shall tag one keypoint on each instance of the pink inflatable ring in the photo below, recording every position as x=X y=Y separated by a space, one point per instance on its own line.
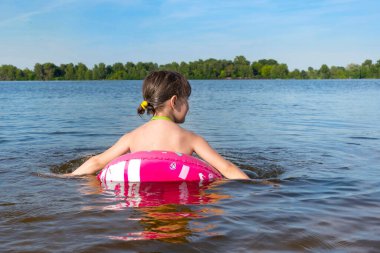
x=157 y=166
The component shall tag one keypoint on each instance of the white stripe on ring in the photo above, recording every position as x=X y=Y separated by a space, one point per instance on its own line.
x=184 y=171
x=116 y=172
x=134 y=170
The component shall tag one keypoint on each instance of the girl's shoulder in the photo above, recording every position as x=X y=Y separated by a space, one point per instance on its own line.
x=190 y=135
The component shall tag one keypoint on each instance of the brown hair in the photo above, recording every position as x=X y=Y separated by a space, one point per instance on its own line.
x=159 y=86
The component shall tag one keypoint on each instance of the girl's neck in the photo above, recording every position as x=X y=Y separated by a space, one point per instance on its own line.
x=162 y=117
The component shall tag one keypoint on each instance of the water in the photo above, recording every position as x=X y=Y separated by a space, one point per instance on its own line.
x=312 y=149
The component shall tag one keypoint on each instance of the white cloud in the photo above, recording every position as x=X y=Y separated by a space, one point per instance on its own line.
x=39 y=10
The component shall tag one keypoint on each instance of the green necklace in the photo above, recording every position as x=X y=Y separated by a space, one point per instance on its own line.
x=161 y=117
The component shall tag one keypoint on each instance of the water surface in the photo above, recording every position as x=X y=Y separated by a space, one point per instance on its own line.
x=312 y=149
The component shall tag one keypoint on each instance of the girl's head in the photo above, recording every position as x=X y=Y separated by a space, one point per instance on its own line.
x=161 y=86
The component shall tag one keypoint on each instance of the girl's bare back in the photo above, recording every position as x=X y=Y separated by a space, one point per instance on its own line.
x=161 y=135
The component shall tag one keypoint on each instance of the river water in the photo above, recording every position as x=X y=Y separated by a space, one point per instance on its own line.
x=312 y=149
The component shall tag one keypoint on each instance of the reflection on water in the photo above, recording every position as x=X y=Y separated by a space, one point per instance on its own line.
x=166 y=210
x=155 y=194
x=170 y=223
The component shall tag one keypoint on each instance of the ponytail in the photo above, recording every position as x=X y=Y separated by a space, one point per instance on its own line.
x=145 y=106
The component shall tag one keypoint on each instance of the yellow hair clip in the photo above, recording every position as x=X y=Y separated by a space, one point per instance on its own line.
x=144 y=104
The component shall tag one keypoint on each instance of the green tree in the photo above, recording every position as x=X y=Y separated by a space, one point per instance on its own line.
x=171 y=66
x=69 y=71
x=366 y=69
x=81 y=71
x=8 y=73
x=184 y=69
x=295 y=74
x=265 y=71
x=38 y=71
x=50 y=71
x=324 y=72
x=229 y=69
x=353 y=71
x=117 y=72
x=338 y=72
x=28 y=74
x=99 y=72
x=376 y=69
x=258 y=70
x=242 y=67
x=279 y=71
x=268 y=62
x=89 y=74
x=304 y=75
x=211 y=68
x=118 y=67
x=312 y=73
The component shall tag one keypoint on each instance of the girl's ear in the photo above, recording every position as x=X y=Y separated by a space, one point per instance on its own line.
x=173 y=101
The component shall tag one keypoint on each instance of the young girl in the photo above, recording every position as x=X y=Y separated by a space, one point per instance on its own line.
x=165 y=97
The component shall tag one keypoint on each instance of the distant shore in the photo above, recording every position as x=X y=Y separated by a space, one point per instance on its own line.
x=239 y=68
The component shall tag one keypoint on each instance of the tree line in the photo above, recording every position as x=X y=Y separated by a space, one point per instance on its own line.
x=239 y=68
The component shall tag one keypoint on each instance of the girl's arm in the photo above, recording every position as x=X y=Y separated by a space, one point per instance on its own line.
x=96 y=163
x=207 y=153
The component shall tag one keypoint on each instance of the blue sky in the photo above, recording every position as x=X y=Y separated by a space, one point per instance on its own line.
x=301 y=33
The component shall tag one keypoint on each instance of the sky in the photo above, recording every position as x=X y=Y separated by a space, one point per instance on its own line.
x=300 y=33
